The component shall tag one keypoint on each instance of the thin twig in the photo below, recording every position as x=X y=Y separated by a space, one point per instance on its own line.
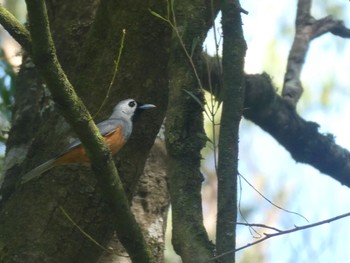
x=251 y=228
x=307 y=29
x=259 y=225
x=211 y=115
x=108 y=250
x=281 y=232
x=268 y=200
x=116 y=67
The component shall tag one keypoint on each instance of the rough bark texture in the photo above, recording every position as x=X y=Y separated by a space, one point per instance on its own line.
x=278 y=117
x=150 y=205
x=32 y=227
x=307 y=29
x=234 y=48
x=300 y=137
x=185 y=135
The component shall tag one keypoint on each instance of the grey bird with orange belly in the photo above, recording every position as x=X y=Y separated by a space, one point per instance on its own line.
x=116 y=131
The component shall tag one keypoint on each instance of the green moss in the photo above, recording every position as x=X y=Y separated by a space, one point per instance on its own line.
x=185 y=135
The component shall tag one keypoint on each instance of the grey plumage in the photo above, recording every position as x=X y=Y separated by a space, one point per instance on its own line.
x=122 y=116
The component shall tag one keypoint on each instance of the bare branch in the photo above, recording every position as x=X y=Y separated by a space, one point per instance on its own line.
x=300 y=138
x=307 y=29
x=15 y=29
x=328 y=24
x=279 y=233
x=276 y=116
x=303 y=8
x=292 y=88
x=259 y=225
x=269 y=201
x=340 y=30
x=232 y=108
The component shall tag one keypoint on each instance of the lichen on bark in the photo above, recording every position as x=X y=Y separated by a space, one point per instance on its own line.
x=185 y=135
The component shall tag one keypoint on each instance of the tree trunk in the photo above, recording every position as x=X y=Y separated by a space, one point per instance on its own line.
x=185 y=135
x=34 y=226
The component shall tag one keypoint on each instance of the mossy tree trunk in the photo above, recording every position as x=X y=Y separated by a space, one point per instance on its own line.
x=87 y=36
x=185 y=135
x=234 y=48
x=34 y=226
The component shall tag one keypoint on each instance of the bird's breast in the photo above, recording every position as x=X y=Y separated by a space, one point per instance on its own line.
x=115 y=140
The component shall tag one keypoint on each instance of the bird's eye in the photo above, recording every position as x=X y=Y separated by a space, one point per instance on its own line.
x=132 y=104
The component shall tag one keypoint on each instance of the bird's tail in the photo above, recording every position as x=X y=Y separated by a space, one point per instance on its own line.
x=37 y=171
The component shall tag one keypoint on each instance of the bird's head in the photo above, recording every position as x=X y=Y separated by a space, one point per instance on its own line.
x=130 y=108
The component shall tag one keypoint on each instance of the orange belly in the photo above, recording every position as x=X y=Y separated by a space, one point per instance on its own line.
x=114 y=141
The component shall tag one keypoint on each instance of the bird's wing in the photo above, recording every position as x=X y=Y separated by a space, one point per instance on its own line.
x=37 y=171
x=110 y=125
x=105 y=127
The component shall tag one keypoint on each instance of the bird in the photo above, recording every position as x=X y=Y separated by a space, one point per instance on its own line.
x=116 y=131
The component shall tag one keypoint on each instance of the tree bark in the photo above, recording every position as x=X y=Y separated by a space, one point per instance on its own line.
x=39 y=132
x=275 y=115
x=234 y=48
x=184 y=132
x=150 y=206
x=299 y=137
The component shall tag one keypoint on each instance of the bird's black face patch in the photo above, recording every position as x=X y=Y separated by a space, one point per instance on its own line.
x=137 y=111
x=140 y=108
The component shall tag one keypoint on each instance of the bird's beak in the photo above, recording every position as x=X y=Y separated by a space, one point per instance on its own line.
x=143 y=106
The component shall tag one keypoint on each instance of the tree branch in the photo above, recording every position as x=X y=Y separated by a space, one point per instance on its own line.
x=279 y=233
x=259 y=225
x=300 y=138
x=307 y=29
x=234 y=48
x=184 y=132
x=276 y=116
x=15 y=28
x=340 y=30
x=328 y=24
x=74 y=111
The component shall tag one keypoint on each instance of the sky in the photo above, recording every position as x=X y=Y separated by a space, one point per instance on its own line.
x=268 y=30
